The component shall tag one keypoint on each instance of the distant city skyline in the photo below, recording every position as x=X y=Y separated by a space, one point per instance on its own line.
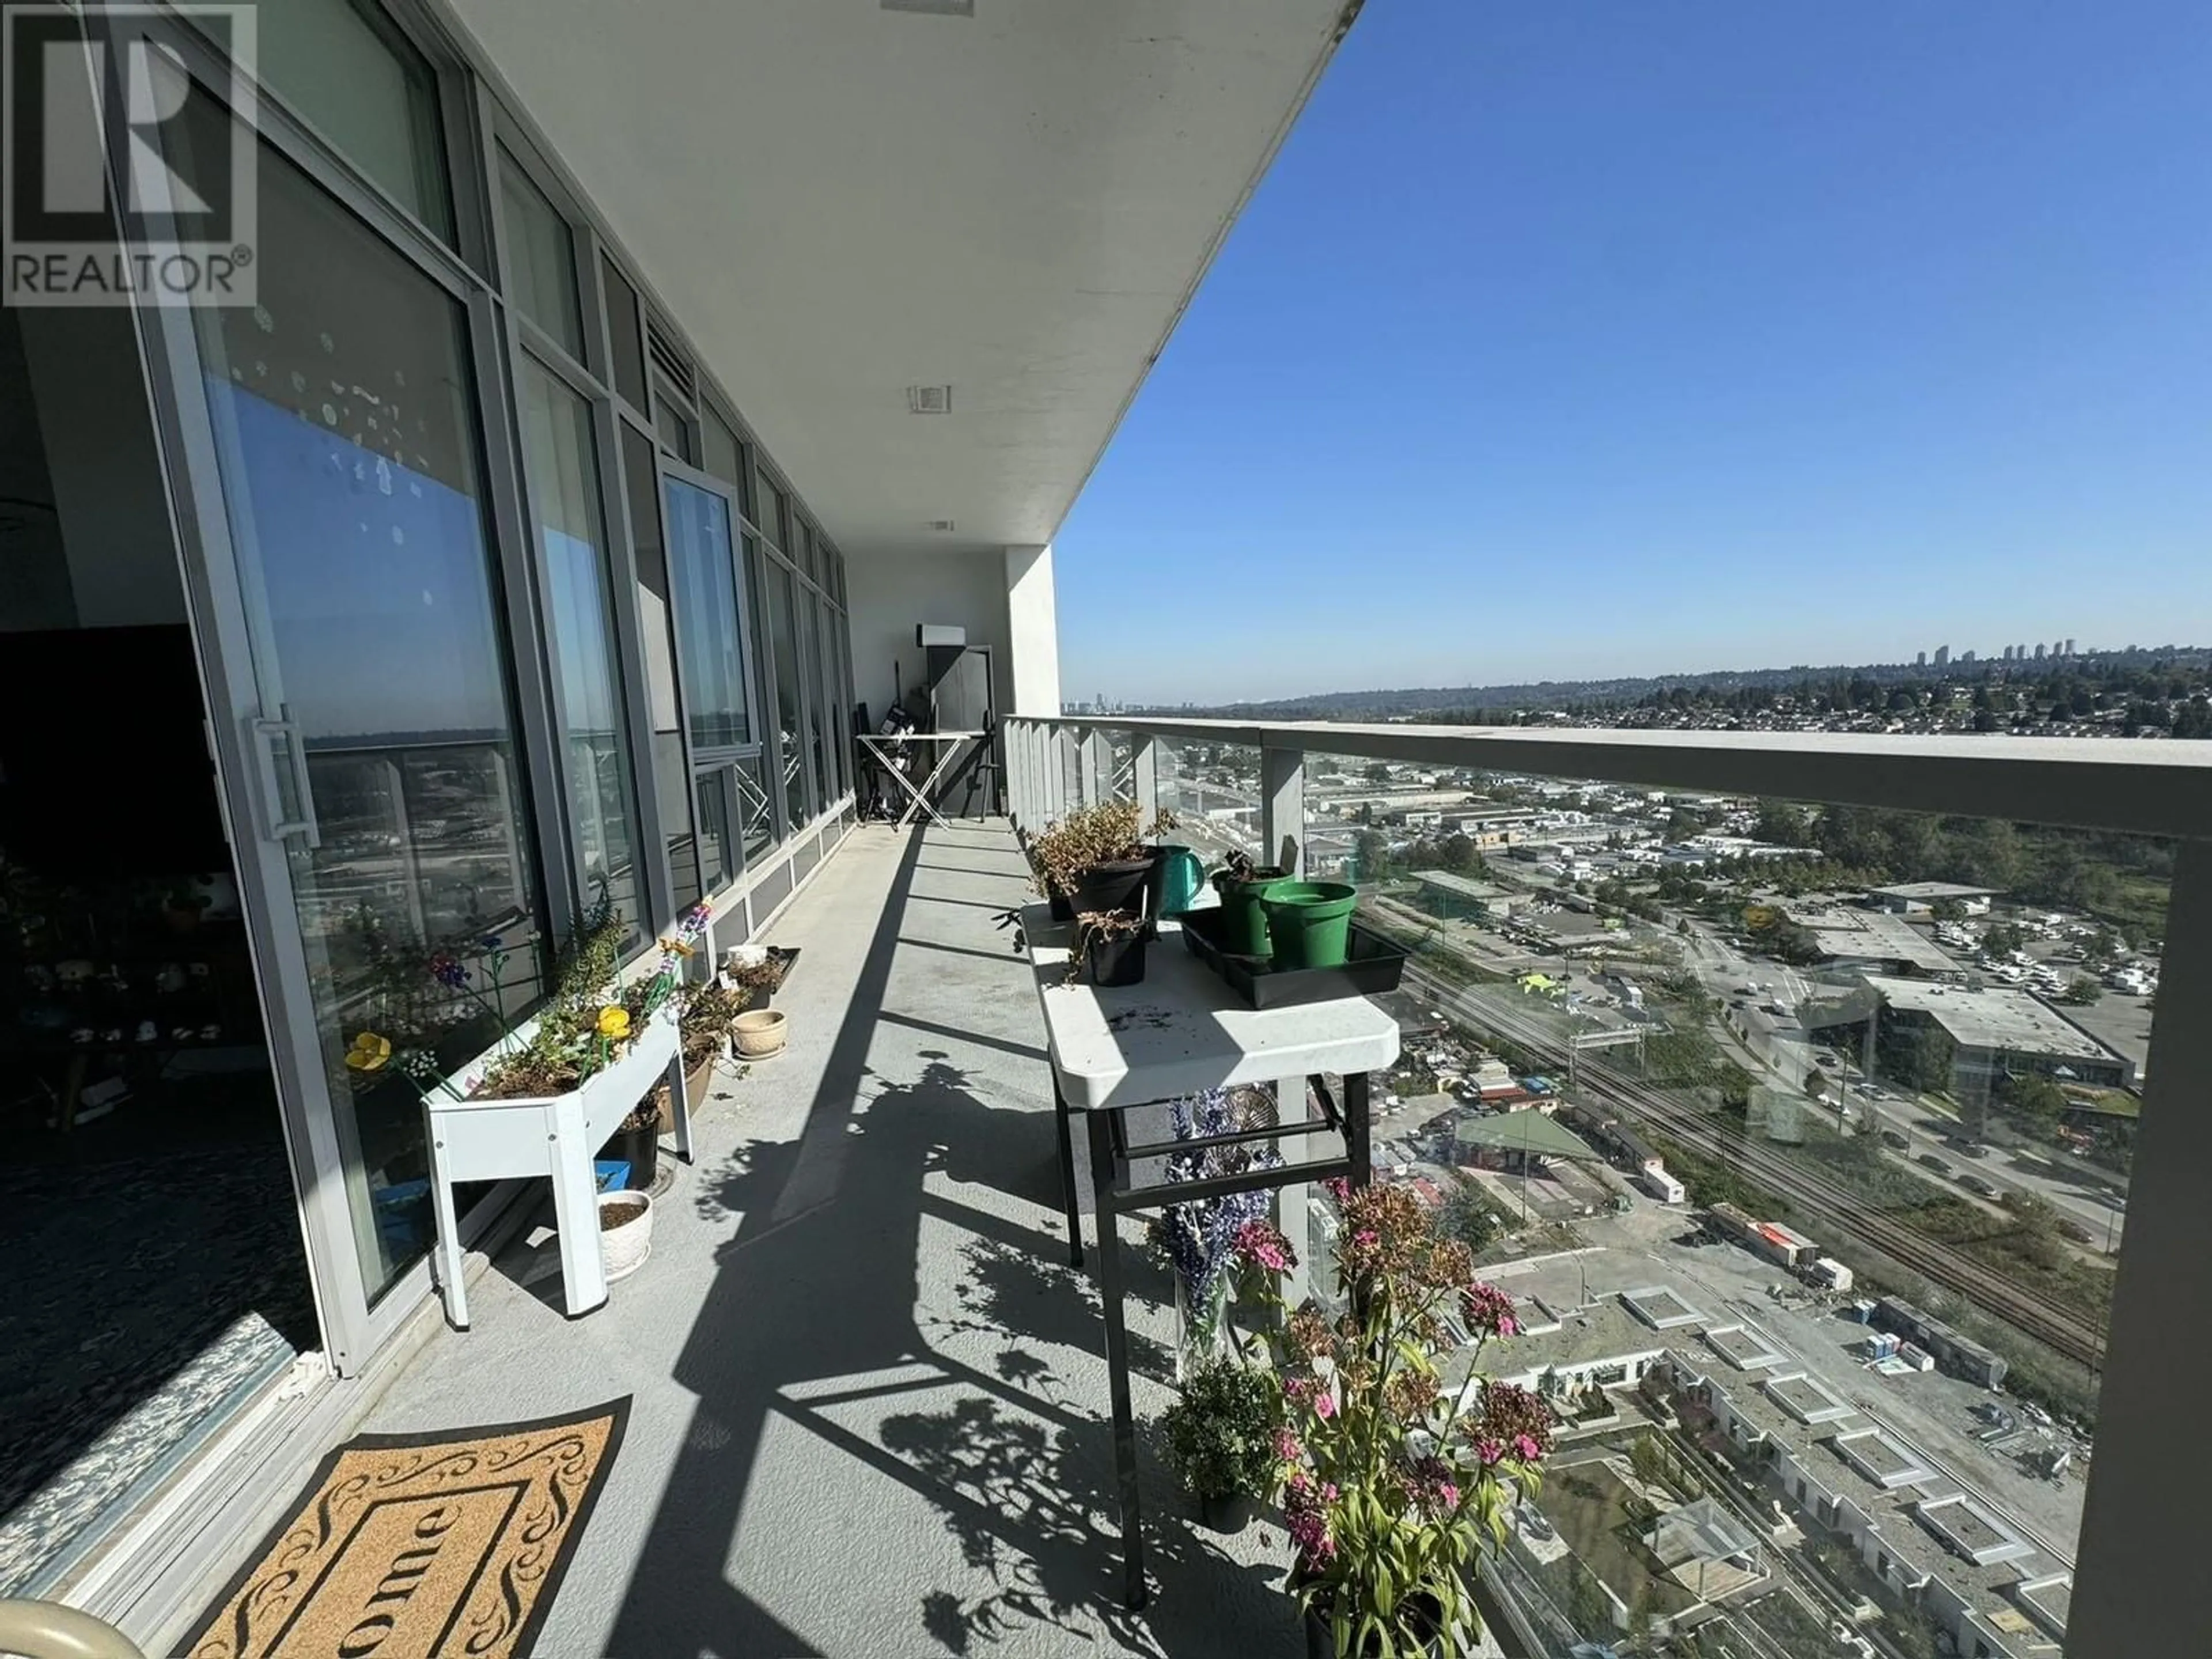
x=1927 y=660
x=1603 y=340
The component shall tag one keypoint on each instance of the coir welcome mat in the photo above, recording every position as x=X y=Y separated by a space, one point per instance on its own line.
x=406 y=1546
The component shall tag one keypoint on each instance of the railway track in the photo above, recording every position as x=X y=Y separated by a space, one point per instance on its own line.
x=1816 y=1203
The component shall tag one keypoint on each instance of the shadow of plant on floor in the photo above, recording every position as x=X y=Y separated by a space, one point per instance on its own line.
x=1007 y=1290
x=1032 y=1508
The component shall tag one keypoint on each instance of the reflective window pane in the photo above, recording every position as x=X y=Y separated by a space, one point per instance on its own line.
x=564 y=482
x=673 y=427
x=769 y=517
x=361 y=84
x=818 y=724
x=671 y=772
x=541 y=257
x=623 y=332
x=789 y=705
x=706 y=624
x=718 y=850
x=345 y=424
x=835 y=724
x=724 y=458
x=756 y=816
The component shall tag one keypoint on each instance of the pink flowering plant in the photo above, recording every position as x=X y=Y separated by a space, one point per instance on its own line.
x=1394 y=1484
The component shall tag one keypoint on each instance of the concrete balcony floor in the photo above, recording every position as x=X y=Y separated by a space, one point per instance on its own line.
x=869 y=1413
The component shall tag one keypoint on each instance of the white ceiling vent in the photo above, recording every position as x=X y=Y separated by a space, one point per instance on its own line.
x=933 y=8
x=940 y=525
x=929 y=399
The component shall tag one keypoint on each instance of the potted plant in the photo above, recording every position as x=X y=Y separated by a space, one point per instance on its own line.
x=1223 y=1439
x=757 y=972
x=1244 y=924
x=625 y=1232
x=710 y=1010
x=636 y=1140
x=1109 y=947
x=1394 y=1485
x=1095 y=858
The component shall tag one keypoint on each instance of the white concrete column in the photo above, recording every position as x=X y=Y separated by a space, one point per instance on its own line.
x=1145 y=766
x=2136 y=1586
x=1283 y=808
x=1033 y=630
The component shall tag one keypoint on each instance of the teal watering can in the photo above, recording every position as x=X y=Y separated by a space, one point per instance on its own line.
x=1181 y=878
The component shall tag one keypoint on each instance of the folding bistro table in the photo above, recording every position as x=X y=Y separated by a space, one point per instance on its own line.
x=920 y=793
x=1181 y=1031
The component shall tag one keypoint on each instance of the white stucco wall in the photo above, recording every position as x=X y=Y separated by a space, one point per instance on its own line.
x=886 y=596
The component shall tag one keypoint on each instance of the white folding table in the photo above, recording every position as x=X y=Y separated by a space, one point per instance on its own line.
x=1180 y=1032
x=951 y=740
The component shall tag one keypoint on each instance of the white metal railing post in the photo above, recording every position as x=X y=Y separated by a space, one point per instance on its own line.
x=1062 y=739
x=1018 y=773
x=1091 y=760
x=1144 y=770
x=1283 y=808
x=2142 y=1530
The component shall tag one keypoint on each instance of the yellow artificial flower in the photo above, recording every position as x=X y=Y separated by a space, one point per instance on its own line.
x=369 y=1052
x=675 y=947
x=614 y=1021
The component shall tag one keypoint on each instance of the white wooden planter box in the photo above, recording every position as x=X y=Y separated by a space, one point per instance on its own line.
x=555 y=1136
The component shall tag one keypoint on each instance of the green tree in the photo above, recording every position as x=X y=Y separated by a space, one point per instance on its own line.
x=1816 y=1083
x=1918 y=1056
x=1465 y=1215
x=1371 y=849
x=1378 y=772
x=2081 y=991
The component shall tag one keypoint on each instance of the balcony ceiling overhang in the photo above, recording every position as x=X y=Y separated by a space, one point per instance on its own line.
x=840 y=199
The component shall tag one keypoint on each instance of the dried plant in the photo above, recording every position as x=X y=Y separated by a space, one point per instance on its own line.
x=1109 y=832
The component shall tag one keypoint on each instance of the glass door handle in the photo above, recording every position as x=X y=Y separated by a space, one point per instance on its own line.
x=288 y=803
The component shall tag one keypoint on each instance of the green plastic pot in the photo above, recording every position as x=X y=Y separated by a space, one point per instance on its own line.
x=1243 y=923
x=1308 y=922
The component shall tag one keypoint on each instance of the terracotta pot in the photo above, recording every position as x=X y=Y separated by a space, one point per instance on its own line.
x=761 y=1032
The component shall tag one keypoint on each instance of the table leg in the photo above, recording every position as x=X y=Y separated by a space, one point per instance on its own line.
x=576 y=1210
x=1357 y=1126
x=451 y=1259
x=679 y=1105
x=1117 y=1360
x=1067 y=1196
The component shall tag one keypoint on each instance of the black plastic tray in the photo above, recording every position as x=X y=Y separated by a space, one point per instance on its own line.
x=1373 y=965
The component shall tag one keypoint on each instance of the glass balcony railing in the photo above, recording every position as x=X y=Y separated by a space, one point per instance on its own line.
x=1804 y=1132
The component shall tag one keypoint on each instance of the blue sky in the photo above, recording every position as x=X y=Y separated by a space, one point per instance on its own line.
x=1583 y=339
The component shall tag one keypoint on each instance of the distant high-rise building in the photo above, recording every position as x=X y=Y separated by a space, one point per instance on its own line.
x=2069 y=647
x=1965 y=656
x=2020 y=653
x=1943 y=655
x=2038 y=651
x=2007 y=655
x=1921 y=661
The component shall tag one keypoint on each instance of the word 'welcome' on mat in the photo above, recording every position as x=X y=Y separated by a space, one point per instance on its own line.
x=441 y=1544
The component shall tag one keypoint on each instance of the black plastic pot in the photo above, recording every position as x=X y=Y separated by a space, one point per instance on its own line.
x=1118 y=959
x=642 y=1148
x=1229 y=1514
x=1063 y=909
x=1118 y=887
x=1426 y=1627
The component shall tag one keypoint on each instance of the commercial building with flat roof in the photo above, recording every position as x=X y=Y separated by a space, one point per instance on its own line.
x=1914 y=897
x=1952 y=1554
x=1873 y=939
x=2000 y=1031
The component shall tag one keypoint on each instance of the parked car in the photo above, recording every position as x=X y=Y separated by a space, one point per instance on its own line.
x=2069 y=1228
x=1974 y=1183
x=1934 y=1163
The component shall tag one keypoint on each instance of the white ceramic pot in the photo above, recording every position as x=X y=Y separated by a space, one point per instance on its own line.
x=761 y=1032
x=624 y=1247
